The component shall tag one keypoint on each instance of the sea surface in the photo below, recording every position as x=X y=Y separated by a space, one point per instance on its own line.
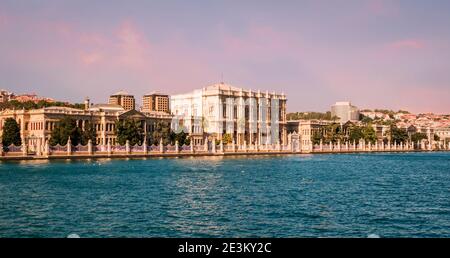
x=336 y=195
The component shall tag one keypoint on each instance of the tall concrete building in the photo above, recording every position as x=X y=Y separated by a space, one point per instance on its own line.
x=247 y=116
x=123 y=99
x=345 y=111
x=155 y=102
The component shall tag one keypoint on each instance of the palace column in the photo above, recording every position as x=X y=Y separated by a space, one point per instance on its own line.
x=103 y=128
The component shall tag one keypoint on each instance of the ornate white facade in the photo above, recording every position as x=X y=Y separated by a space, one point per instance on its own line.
x=249 y=117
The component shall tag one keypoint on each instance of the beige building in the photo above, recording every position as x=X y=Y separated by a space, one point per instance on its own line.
x=123 y=99
x=306 y=130
x=155 y=102
x=36 y=125
x=443 y=133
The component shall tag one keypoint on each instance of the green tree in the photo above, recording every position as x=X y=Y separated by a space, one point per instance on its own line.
x=398 y=134
x=11 y=133
x=369 y=134
x=317 y=136
x=418 y=137
x=311 y=115
x=27 y=105
x=162 y=130
x=355 y=134
x=366 y=120
x=88 y=133
x=333 y=133
x=181 y=137
x=65 y=128
x=436 y=137
x=131 y=130
x=226 y=138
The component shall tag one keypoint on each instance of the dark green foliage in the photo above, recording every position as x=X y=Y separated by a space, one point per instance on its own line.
x=436 y=137
x=369 y=134
x=226 y=138
x=130 y=130
x=366 y=119
x=65 y=128
x=27 y=105
x=347 y=132
x=88 y=133
x=162 y=130
x=181 y=137
x=317 y=136
x=310 y=116
x=355 y=134
x=398 y=134
x=11 y=133
x=418 y=137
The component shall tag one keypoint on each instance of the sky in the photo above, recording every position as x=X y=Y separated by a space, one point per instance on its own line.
x=375 y=53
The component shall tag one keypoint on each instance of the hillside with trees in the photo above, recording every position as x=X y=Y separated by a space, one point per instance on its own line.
x=27 y=105
x=311 y=115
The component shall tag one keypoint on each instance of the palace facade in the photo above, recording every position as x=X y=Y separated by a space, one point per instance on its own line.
x=249 y=117
x=37 y=125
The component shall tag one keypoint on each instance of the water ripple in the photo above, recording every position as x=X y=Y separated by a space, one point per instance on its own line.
x=351 y=195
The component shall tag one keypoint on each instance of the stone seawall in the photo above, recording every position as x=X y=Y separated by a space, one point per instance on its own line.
x=201 y=154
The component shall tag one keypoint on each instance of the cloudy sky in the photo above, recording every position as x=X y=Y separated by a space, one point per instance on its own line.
x=375 y=53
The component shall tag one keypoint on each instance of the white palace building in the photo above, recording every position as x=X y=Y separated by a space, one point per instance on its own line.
x=249 y=117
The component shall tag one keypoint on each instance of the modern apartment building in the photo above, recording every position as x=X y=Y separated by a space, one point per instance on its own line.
x=249 y=117
x=345 y=111
x=123 y=99
x=155 y=102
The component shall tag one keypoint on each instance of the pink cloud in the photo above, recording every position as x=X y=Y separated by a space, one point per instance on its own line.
x=259 y=41
x=90 y=58
x=407 y=44
x=134 y=48
x=382 y=7
x=107 y=60
x=3 y=20
x=377 y=6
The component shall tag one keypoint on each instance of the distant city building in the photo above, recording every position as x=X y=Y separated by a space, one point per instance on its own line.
x=248 y=117
x=155 y=102
x=30 y=97
x=123 y=99
x=345 y=111
x=376 y=115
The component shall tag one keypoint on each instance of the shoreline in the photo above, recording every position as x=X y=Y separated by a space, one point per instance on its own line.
x=183 y=155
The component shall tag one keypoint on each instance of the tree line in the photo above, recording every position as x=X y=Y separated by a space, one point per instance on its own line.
x=27 y=105
x=311 y=115
x=350 y=132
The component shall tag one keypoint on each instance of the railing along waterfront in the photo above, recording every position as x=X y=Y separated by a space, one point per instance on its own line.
x=90 y=149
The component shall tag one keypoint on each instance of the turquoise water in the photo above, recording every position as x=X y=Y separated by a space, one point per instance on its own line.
x=348 y=195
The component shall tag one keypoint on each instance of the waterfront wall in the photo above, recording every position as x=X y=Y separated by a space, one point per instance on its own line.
x=209 y=148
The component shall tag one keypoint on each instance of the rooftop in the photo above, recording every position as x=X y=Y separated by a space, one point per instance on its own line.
x=110 y=107
x=121 y=93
